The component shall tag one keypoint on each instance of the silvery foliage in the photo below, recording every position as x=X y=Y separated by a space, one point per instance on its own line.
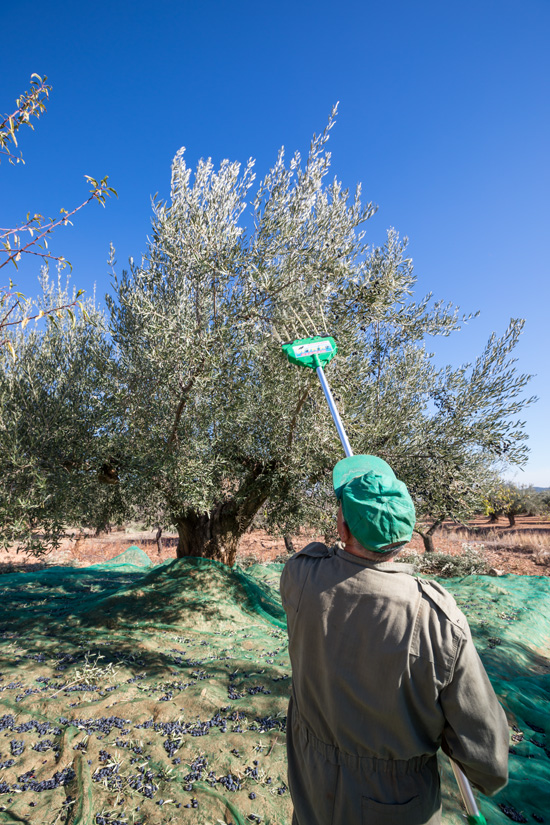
x=470 y=432
x=53 y=426
x=208 y=411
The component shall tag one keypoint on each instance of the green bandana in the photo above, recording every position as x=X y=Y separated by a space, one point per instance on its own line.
x=376 y=506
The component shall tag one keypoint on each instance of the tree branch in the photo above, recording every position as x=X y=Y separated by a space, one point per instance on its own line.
x=185 y=395
x=99 y=192
x=294 y=421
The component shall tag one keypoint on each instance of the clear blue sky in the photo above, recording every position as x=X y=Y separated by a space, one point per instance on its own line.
x=444 y=118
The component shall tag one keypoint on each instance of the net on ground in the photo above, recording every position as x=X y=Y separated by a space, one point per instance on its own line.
x=139 y=694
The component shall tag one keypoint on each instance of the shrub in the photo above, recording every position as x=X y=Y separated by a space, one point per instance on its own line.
x=468 y=563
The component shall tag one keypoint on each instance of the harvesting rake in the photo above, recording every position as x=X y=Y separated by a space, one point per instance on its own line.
x=315 y=353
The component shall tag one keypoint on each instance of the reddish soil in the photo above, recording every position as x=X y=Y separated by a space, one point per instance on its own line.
x=522 y=550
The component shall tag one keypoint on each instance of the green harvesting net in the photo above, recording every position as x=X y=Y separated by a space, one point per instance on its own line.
x=140 y=694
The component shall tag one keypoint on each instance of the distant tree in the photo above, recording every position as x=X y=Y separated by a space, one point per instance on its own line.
x=510 y=500
x=544 y=498
x=30 y=237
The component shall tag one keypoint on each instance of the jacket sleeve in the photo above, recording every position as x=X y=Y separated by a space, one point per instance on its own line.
x=476 y=730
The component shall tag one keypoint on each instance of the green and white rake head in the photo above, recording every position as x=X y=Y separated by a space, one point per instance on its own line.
x=311 y=352
x=314 y=353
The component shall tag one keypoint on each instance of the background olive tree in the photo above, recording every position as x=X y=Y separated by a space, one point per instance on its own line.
x=54 y=427
x=50 y=390
x=510 y=500
x=210 y=425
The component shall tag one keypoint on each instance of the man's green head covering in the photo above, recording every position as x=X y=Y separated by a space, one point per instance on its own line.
x=376 y=506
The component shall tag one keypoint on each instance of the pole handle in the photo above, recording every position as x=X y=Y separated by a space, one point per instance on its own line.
x=334 y=410
x=474 y=817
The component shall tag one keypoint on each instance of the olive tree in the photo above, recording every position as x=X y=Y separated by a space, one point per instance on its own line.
x=211 y=425
x=50 y=394
x=54 y=429
x=510 y=500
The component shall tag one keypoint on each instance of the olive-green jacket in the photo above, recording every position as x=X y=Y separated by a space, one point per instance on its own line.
x=384 y=673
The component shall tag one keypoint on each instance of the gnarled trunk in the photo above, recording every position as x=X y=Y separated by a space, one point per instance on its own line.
x=216 y=535
x=208 y=536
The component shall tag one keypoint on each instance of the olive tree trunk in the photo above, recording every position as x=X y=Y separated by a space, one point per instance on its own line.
x=427 y=535
x=208 y=536
x=216 y=534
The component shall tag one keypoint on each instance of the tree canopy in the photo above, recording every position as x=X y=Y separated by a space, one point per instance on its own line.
x=216 y=425
x=48 y=375
x=54 y=427
x=204 y=423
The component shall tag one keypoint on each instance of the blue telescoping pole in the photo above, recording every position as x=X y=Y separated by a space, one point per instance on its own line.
x=334 y=412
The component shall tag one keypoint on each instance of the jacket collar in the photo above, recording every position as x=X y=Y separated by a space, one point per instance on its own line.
x=386 y=566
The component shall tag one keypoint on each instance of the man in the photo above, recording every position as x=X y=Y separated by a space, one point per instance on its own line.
x=384 y=671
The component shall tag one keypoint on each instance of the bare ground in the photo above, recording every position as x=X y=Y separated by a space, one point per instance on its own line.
x=522 y=550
